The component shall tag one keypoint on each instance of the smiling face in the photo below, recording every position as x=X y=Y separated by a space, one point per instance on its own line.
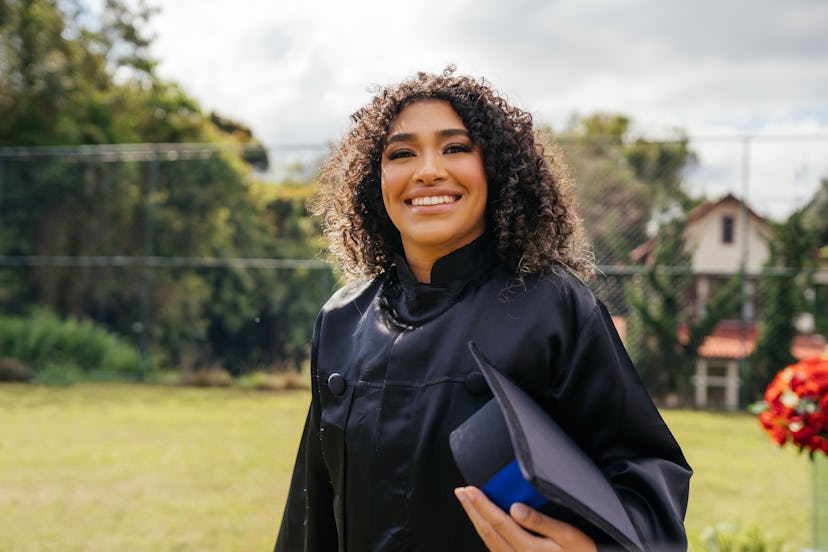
x=433 y=181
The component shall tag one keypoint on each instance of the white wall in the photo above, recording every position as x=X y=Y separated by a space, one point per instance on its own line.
x=711 y=256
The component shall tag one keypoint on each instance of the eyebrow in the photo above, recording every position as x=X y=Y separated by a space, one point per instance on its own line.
x=406 y=136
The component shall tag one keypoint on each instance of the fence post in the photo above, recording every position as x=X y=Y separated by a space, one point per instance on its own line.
x=149 y=223
x=2 y=174
x=743 y=275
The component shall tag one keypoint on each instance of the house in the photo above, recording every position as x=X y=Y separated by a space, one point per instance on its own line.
x=724 y=237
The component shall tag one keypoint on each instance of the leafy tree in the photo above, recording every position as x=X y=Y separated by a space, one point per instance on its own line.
x=815 y=214
x=253 y=152
x=817 y=219
x=660 y=164
x=283 y=303
x=788 y=274
x=622 y=182
x=70 y=76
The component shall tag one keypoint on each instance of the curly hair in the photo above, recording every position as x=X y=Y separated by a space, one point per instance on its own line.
x=530 y=208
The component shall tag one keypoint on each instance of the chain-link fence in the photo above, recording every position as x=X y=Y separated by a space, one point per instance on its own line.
x=202 y=261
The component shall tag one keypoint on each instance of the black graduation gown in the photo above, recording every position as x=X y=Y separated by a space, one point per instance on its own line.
x=392 y=377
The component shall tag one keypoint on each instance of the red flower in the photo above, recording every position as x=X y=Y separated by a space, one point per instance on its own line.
x=796 y=405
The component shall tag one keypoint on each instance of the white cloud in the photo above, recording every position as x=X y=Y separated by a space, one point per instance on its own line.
x=294 y=71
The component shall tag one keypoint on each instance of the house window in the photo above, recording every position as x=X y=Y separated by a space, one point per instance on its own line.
x=727 y=229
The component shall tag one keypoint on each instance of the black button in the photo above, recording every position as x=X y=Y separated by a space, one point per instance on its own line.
x=476 y=383
x=336 y=383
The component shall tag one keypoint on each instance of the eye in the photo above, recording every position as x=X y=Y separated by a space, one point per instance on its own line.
x=400 y=153
x=457 y=148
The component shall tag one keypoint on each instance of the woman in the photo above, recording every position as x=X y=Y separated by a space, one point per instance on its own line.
x=440 y=200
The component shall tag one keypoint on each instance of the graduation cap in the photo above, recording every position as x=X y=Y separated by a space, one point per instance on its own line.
x=515 y=452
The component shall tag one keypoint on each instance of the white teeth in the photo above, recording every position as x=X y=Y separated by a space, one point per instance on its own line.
x=432 y=200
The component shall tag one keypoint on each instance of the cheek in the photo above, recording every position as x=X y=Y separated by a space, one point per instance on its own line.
x=474 y=174
x=385 y=191
x=475 y=178
x=392 y=182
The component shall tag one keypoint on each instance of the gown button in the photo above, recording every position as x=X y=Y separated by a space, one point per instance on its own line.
x=476 y=383
x=336 y=383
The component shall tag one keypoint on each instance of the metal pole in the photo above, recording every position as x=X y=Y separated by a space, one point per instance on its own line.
x=2 y=174
x=152 y=180
x=743 y=288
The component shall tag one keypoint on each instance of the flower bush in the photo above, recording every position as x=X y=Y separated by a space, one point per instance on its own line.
x=795 y=408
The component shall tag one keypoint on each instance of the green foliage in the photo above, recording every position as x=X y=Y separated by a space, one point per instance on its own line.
x=266 y=381
x=239 y=317
x=788 y=273
x=268 y=315
x=736 y=537
x=815 y=219
x=211 y=377
x=14 y=370
x=815 y=214
x=70 y=75
x=63 y=351
x=254 y=153
x=623 y=182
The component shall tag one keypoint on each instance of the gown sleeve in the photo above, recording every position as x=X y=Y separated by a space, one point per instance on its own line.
x=308 y=522
x=601 y=402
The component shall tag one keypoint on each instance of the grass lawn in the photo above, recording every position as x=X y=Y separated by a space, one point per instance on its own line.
x=126 y=467
x=741 y=476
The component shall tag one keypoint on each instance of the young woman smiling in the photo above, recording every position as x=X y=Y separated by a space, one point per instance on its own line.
x=433 y=184
x=455 y=227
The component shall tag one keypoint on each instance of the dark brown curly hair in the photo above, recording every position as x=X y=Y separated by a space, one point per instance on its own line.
x=531 y=206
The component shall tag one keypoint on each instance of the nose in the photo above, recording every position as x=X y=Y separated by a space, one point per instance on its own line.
x=430 y=170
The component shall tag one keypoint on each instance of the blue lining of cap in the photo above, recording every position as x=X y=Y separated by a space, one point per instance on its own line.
x=508 y=486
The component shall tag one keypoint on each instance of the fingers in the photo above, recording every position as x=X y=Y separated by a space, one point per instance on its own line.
x=567 y=536
x=488 y=522
x=507 y=533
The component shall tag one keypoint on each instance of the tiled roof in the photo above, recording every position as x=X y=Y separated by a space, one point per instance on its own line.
x=731 y=341
x=805 y=346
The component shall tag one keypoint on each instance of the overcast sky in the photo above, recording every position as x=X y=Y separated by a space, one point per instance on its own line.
x=295 y=71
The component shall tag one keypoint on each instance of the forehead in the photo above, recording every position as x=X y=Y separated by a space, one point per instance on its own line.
x=427 y=115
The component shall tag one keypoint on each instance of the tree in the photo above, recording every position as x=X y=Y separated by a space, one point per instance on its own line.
x=70 y=76
x=788 y=274
x=622 y=182
x=815 y=213
x=815 y=219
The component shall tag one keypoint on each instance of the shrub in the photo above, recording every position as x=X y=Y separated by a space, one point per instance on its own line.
x=208 y=377
x=735 y=537
x=66 y=350
x=268 y=381
x=14 y=370
x=164 y=377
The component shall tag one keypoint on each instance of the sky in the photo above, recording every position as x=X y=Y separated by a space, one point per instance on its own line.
x=719 y=71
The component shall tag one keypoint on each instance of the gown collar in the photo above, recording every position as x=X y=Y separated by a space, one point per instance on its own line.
x=413 y=302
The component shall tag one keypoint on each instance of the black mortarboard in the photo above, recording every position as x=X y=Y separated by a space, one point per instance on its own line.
x=515 y=452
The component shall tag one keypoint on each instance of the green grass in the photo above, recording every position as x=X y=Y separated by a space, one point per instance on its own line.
x=126 y=467
x=741 y=476
x=103 y=467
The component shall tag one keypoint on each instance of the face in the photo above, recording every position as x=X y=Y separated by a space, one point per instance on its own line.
x=433 y=181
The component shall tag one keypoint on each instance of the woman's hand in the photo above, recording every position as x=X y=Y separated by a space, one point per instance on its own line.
x=502 y=533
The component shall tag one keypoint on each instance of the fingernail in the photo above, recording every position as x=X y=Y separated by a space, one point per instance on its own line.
x=519 y=511
x=460 y=493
